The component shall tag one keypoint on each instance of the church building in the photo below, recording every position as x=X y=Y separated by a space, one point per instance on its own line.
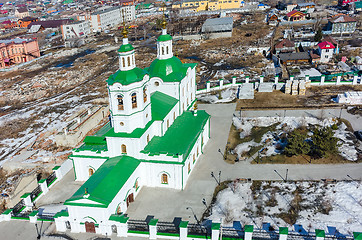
x=154 y=138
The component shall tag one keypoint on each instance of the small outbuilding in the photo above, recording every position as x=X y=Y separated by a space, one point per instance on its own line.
x=217 y=27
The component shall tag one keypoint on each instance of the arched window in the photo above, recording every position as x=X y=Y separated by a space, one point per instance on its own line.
x=144 y=94
x=120 y=102
x=134 y=100
x=197 y=151
x=174 y=116
x=194 y=158
x=163 y=51
x=148 y=138
x=123 y=62
x=128 y=61
x=166 y=49
x=114 y=227
x=188 y=167
x=90 y=171
x=124 y=148
x=133 y=60
x=164 y=178
x=168 y=123
x=119 y=209
x=136 y=185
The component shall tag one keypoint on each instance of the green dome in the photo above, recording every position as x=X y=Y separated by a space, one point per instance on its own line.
x=125 y=48
x=126 y=77
x=163 y=38
x=169 y=70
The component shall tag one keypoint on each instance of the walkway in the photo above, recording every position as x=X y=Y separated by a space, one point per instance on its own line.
x=154 y=201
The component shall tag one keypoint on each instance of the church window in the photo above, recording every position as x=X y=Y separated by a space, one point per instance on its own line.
x=120 y=102
x=194 y=158
x=188 y=167
x=168 y=123
x=157 y=84
x=90 y=171
x=145 y=94
x=174 y=116
x=128 y=61
x=136 y=185
x=148 y=138
x=119 y=209
x=163 y=50
x=133 y=60
x=121 y=123
x=166 y=49
x=134 y=100
x=123 y=62
x=124 y=148
x=164 y=178
x=67 y=225
x=114 y=227
x=197 y=151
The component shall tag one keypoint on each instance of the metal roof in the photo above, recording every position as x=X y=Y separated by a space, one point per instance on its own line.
x=218 y=24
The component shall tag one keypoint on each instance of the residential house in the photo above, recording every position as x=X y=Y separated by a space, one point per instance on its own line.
x=342 y=24
x=208 y=5
x=345 y=2
x=306 y=7
x=272 y=17
x=21 y=12
x=333 y=41
x=295 y=15
x=284 y=46
x=262 y=6
x=49 y=24
x=18 y=50
x=294 y=58
x=8 y=24
x=325 y=50
x=24 y=22
x=75 y=30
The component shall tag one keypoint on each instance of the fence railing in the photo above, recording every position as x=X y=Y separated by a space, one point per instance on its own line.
x=167 y=227
x=51 y=178
x=137 y=225
x=18 y=207
x=198 y=230
x=35 y=193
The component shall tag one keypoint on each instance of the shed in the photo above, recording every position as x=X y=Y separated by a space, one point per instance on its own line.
x=213 y=25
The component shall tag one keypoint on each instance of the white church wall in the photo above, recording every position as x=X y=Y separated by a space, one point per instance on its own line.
x=82 y=166
x=154 y=172
x=168 y=120
x=168 y=88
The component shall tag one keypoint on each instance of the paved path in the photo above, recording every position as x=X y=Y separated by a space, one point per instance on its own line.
x=154 y=201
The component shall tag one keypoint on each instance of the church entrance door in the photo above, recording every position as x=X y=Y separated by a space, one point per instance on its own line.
x=90 y=227
x=130 y=199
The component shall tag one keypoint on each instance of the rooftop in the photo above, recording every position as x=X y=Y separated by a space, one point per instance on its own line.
x=105 y=183
x=294 y=56
x=326 y=45
x=218 y=24
x=180 y=137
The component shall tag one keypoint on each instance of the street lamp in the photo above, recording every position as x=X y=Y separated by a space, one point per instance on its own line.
x=217 y=181
x=197 y=220
x=223 y=155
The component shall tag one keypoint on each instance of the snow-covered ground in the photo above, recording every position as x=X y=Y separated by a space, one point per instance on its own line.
x=225 y=96
x=346 y=146
x=321 y=205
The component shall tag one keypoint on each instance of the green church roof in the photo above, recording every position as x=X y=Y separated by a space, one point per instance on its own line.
x=125 y=48
x=165 y=37
x=169 y=70
x=180 y=137
x=106 y=182
x=127 y=77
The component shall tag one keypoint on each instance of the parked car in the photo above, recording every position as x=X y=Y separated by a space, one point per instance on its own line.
x=358 y=135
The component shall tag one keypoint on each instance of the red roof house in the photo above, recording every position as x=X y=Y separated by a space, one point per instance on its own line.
x=295 y=15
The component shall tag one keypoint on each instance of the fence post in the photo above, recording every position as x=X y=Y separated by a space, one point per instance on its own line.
x=306 y=78
x=43 y=186
x=319 y=234
x=248 y=232
x=27 y=200
x=261 y=79
x=58 y=173
x=6 y=215
x=215 y=231
x=183 y=230
x=291 y=78
x=234 y=81
x=247 y=79
x=153 y=228
x=276 y=79
x=322 y=79
x=283 y=233
x=208 y=86
x=221 y=83
x=355 y=77
x=33 y=216
x=338 y=80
